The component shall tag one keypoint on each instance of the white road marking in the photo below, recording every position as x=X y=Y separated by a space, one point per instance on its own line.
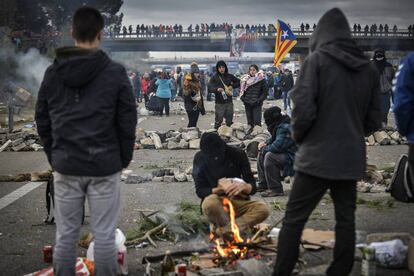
x=22 y=191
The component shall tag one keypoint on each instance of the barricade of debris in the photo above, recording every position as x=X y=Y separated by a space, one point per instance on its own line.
x=388 y=136
x=19 y=140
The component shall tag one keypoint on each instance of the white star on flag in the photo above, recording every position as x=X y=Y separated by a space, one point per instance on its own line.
x=285 y=34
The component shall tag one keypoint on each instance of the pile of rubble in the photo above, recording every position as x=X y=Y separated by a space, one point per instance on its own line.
x=385 y=137
x=189 y=138
x=375 y=179
x=19 y=140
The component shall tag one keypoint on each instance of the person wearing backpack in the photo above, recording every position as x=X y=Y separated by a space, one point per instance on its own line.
x=404 y=106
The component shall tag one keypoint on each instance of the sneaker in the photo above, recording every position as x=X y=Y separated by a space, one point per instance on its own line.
x=260 y=189
x=271 y=193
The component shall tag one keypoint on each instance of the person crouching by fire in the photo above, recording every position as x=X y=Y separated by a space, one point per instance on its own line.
x=221 y=171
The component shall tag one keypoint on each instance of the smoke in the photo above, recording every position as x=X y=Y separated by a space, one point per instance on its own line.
x=22 y=69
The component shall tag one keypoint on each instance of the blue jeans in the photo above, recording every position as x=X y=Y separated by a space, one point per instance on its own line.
x=286 y=100
x=103 y=195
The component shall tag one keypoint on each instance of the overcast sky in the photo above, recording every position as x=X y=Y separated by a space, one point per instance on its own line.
x=392 y=12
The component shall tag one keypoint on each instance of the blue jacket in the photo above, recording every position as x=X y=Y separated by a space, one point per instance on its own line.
x=282 y=142
x=164 y=88
x=404 y=98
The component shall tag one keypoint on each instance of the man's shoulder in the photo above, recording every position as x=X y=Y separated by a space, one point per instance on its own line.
x=115 y=67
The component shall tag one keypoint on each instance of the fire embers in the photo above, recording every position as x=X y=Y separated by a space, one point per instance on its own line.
x=230 y=247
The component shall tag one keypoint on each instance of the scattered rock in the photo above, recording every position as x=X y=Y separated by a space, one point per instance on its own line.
x=225 y=131
x=374 y=177
x=158 y=173
x=189 y=170
x=239 y=134
x=371 y=140
x=238 y=126
x=382 y=138
x=147 y=143
x=180 y=177
x=194 y=144
x=364 y=187
x=139 y=134
x=136 y=179
x=172 y=145
x=183 y=144
x=158 y=179
x=396 y=136
x=157 y=140
x=189 y=177
x=190 y=134
x=169 y=178
x=40 y=176
x=257 y=130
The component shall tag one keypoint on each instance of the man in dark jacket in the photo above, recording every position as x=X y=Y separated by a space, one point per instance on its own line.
x=86 y=117
x=276 y=155
x=222 y=84
x=404 y=106
x=336 y=104
x=215 y=163
x=386 y=75
x=286 y=85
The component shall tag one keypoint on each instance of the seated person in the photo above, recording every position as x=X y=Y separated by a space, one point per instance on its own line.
x=216 y=161
x=276 y=156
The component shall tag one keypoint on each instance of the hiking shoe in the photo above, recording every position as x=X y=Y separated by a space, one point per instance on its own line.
x=270 y=193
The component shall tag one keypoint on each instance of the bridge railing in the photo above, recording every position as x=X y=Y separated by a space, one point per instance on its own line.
x=403 y=33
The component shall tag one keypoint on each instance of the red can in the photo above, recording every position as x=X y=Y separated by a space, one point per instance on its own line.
x=48 y=254
x=181 y=270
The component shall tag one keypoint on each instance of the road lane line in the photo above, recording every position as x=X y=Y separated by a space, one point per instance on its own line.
x=22 y=191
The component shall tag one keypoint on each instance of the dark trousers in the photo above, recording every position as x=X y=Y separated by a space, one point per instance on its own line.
x=286 y=100
x=306 y=193
x=193 y=117
x=269 y=167
x=165 y=104
x=254 y=115
x=385 y=107
x=411 y=161
x=223 y=111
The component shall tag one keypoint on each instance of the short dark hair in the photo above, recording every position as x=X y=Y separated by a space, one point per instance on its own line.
x=87 y=23
x=254 y=66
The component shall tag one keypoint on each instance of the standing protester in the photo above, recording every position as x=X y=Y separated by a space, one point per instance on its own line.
x=193 y=96
x=87 y=141
x=137 y=86
x=253 y=90
x=145 y=84
x=404 y=106
x=222 y=84
x=276 y=155
x=286 y=85
x=386 y=75
x=329 y=121
x=164 y=87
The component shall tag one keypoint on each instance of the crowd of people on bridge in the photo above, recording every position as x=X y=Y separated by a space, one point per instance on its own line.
x=204 y=29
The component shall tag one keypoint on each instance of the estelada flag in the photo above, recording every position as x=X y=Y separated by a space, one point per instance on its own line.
x=285 y=40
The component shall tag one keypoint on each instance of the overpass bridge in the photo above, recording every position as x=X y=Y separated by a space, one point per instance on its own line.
x=207 y=60
x=202 y=42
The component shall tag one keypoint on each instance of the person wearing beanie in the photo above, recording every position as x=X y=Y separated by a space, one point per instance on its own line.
x=253 y=90
x=336 y=104
x=216 y=165
x=276 y=156
x=222 y=85
x=387 y=73
x=193 y=98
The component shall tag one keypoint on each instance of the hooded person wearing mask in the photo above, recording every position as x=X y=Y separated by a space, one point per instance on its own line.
x=222 y=85
x=193 y=96
x=386 y=72
x=336 y=103
x=276 y=155
x=212 y=165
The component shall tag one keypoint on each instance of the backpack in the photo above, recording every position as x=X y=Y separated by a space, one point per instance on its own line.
x=402 y=187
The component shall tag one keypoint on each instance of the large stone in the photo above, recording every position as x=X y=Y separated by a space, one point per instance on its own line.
x=169 y=178
x=257 y=130
x=17 y=142
x=371 y=140
x=183 y=144
x=225 y=131
x=40 y=176
x=158 y=173
x=381 y=237
x=139 y=134
x=179 y=176
x=136 y=179
x=374 y=176
x=382 y=137
x=189 y=177
x=190 y=135
x=195 y=144
x=176 y=138
x=19 y=147
x=147 y=143
x=157 y=140
x=240 y=134
x=158 y=179
x=396 y=136
x=5 y=145
x=172 y=145
x=238 y=126
x=189 y=170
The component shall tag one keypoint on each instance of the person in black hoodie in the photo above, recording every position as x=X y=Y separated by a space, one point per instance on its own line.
x=287 y=83
x=253 y=89
x=193 y=96
x=222 y=84
x=86 y=117
x=215 y=162
x=336 y=104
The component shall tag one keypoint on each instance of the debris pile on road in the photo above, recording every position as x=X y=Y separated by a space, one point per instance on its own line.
x=385 y=137
x=19 y=140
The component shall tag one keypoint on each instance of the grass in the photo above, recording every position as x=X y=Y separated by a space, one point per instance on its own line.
x=377 y=204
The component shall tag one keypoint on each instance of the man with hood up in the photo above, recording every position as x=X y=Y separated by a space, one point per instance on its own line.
x=86 y=117
x=222 y=85
x=336 y=104
x=276 y=155
x=215 y=162
x=386 y=75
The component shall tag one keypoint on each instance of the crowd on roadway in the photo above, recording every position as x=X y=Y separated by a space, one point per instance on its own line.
x=204 y=29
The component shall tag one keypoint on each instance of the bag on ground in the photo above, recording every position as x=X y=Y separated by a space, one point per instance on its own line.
x=402 y=187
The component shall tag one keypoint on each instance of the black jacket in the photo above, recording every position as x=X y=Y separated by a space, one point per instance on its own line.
x=206 y=172
x=336 y=103
x=86 y=114
x=255 y=94
x=216 y=83
x=287 y=82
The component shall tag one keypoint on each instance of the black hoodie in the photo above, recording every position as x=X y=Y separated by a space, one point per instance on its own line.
x=336 y=103
x=86 y=114
x=217 y=81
